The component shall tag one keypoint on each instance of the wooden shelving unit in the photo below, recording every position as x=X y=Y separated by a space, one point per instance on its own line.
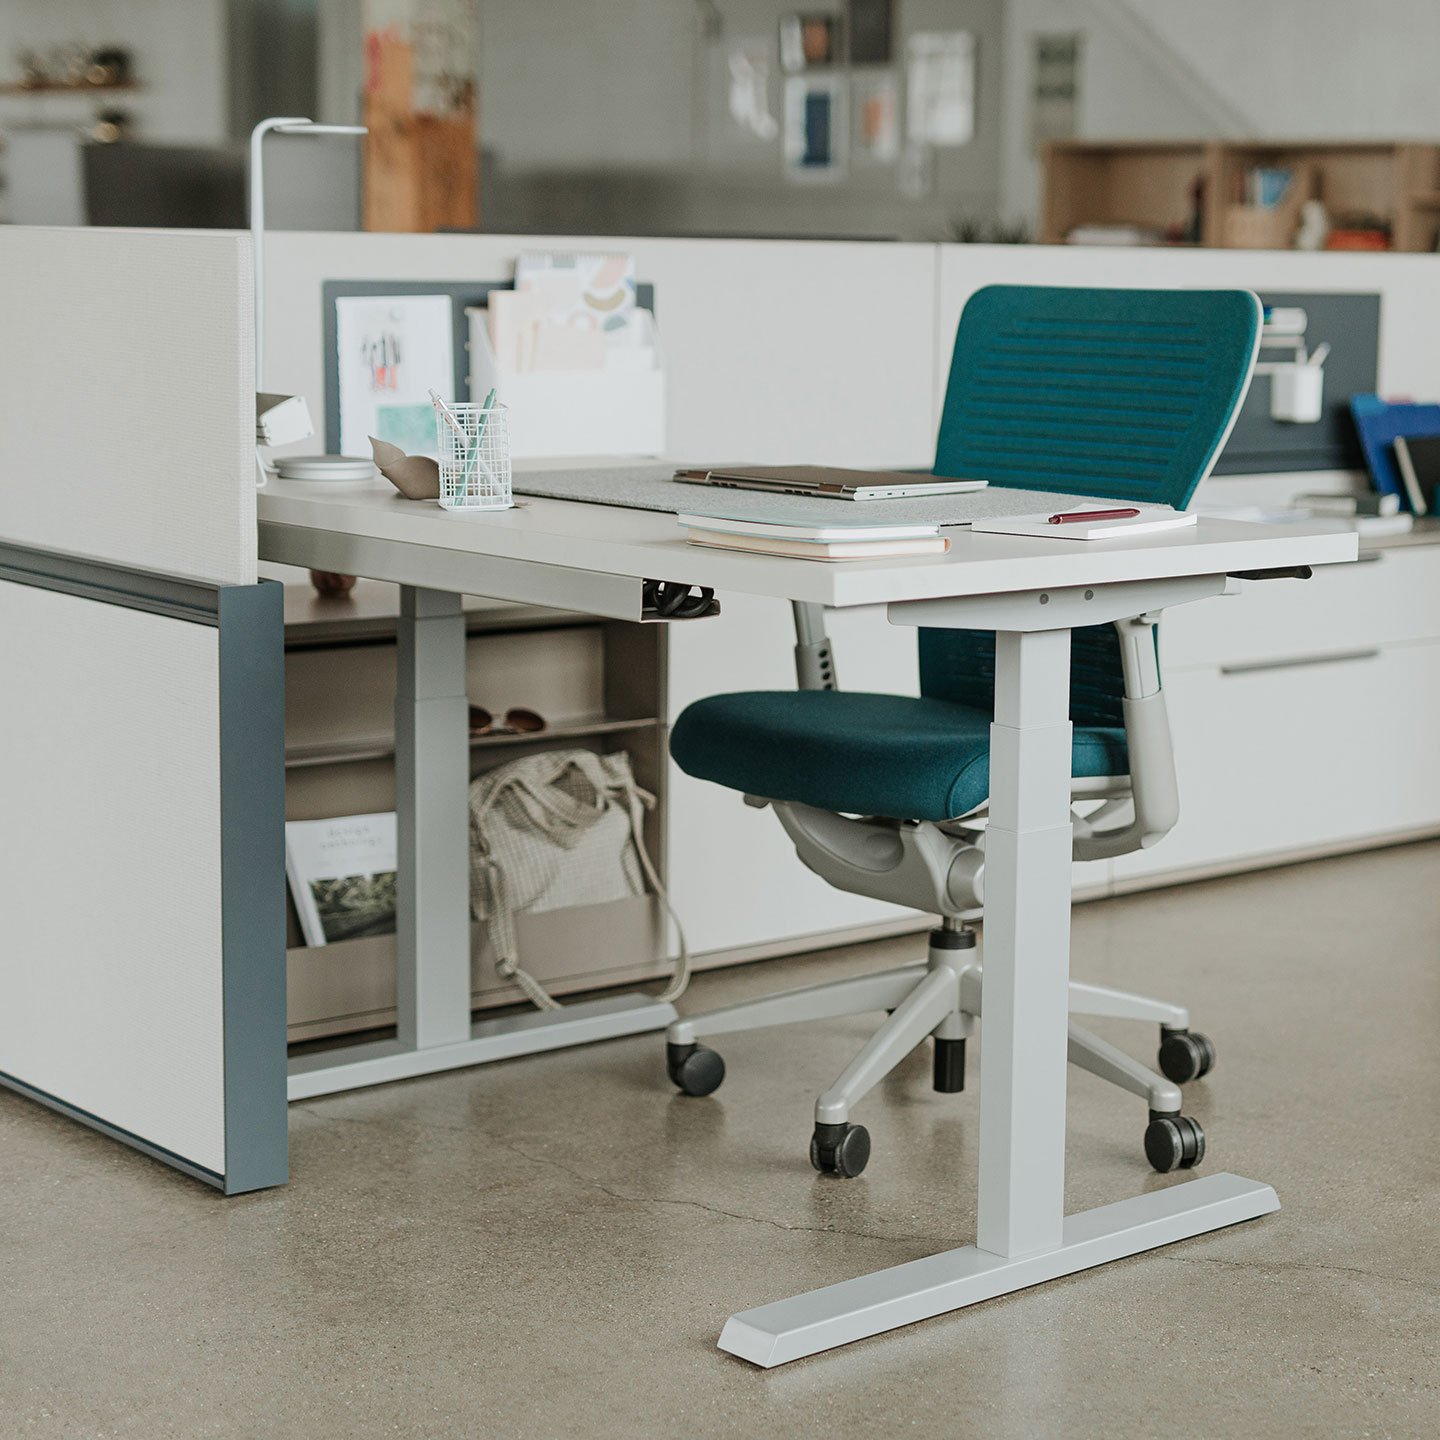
x=1155 y=185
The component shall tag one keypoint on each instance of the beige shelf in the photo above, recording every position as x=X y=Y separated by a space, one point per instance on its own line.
x=382 y=747
x=1152 y=184
x=15 y=88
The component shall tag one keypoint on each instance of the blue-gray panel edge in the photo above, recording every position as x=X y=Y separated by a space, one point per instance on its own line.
x=252 y=864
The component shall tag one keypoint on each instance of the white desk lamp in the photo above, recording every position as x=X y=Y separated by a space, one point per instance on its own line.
x=281 y=125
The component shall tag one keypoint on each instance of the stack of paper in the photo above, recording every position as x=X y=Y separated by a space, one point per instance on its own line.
x=1146 y=520
x=827 y=541
x=571 y=312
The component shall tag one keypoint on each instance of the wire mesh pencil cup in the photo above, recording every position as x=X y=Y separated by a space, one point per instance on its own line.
x=475 y=457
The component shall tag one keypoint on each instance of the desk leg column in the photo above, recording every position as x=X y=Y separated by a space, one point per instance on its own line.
x=1027 y=948
x=432 y=776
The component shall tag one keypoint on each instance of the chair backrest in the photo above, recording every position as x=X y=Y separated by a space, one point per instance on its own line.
x=1122 y=393
x=1127 y=394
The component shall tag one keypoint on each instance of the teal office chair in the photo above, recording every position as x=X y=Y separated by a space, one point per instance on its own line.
x=1120 y=393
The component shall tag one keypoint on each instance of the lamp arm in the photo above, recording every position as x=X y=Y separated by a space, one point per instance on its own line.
x=257 y=227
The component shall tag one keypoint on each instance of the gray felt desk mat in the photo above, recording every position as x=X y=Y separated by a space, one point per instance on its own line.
x=650 y=487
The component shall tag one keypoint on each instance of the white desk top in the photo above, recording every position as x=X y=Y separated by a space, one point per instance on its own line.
x=650 y=545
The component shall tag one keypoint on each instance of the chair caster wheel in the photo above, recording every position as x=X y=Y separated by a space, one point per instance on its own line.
x=1185 y=1055
x=696 y=1070
x=840 y=1149
x=1174 y=1142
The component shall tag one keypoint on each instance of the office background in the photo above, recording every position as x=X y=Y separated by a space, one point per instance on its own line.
x=445 y=1242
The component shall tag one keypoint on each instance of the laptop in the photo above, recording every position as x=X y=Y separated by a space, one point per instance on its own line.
x=825 y=480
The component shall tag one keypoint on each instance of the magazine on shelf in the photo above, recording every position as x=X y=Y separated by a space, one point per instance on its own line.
x=342 y=876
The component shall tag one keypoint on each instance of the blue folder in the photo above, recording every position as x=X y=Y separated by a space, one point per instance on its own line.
x=1378 y=422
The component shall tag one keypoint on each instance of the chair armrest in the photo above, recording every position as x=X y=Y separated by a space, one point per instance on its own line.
x=1154 y=792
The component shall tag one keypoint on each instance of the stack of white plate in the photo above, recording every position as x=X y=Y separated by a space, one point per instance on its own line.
x=329 y=469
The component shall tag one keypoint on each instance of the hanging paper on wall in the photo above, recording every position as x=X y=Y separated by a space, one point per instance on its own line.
x=877 y=116
x=392 y=351
x=748 y=64
x=815 y=127
x=940 y=87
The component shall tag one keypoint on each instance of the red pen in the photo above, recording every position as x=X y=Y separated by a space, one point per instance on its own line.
x=1068 y=517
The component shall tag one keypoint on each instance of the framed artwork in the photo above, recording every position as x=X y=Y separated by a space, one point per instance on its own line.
x=876 y=104
x=391 y=351
x=816 y=127
x=940 y=87
x=811 y=42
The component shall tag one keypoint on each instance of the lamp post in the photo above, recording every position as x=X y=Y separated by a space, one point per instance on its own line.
x=280 y=125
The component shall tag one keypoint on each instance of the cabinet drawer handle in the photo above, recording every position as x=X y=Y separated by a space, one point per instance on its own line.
x=1335 y=657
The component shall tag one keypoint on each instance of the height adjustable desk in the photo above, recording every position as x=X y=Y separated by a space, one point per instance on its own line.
x=594 y=558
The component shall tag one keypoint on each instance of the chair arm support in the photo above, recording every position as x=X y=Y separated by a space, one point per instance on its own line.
x=1153 y=788
x=917 y=866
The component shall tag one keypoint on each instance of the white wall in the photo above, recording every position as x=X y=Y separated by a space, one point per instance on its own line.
x=1130 y=84
x=1313 y=67
x=564 y=85
x=178 y=48
x=1227 y=68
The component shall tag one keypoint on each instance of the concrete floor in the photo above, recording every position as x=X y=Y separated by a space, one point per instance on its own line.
x=549 y=1247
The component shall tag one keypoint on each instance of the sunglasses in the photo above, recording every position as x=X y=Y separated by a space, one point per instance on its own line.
x=515 y=722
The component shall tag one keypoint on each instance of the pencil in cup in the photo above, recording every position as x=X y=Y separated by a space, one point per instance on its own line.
x=475 y=471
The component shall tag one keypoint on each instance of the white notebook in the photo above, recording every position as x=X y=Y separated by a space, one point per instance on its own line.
x=827 y=531
x=1150 y=520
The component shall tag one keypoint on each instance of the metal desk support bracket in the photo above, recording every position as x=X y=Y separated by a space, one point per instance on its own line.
x=433 y=910
x=1064 y=607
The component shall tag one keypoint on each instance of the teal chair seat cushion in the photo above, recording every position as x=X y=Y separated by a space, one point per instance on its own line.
x=859 y=754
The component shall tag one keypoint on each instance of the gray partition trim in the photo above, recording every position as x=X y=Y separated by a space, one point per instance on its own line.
x=252 y=860
x=114 y=1132
x=169 y=595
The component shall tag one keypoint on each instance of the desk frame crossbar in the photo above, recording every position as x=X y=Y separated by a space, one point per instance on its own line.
x=433 y=964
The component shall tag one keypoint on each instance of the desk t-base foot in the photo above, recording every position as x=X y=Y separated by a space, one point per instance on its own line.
x=775 y=1334
x=854 y=1309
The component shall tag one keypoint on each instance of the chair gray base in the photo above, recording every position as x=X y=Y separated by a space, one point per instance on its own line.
x=939 y=997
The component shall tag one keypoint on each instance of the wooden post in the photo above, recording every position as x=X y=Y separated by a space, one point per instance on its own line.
x=421 y=165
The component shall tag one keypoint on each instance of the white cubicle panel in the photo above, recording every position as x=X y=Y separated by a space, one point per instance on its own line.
x=142 y=974
x=127 y=398
x=774 y=350
x=1406 y=284
x=110 y=854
